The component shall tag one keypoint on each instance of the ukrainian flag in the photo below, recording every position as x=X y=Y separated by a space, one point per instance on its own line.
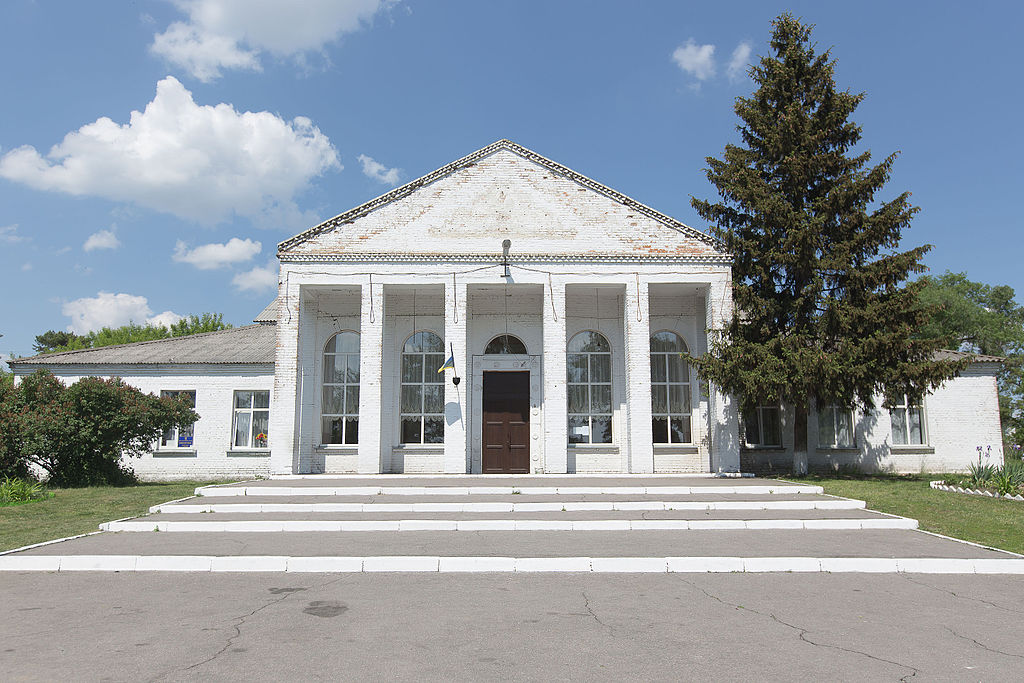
x=448 y=364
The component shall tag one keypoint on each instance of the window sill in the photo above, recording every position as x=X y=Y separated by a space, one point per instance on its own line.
x=918 y=449
x=337 y=447
x=838 y=449
x=249 y=453
x=595 y=447
x=175 y=453
x=779 y=449
x=675 y=449
x=418 y=447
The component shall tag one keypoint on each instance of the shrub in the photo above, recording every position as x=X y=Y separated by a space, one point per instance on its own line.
x=16 y=490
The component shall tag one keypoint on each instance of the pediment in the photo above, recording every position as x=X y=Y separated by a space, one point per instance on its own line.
x=502 y=191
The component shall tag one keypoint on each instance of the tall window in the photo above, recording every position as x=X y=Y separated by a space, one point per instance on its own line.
x=835 y=427
x=179 y=437
x=422 y=389
x=252 y=419
x=763 y=427
x=589 y=369
x=908 y=424
x=670 y=389
x=339 y=407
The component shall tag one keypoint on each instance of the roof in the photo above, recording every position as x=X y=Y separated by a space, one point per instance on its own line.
x=947 y=354
x=288 y=247
x=269 y=314
x=247 y=344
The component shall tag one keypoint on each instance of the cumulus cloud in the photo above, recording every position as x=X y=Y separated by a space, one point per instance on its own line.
x=102 y=239
x=197 y=162
x=212 y=256
x=378 y=171
x=259 y=279
x=233 y=34
x=696 y=60
x=738 y=62
x=9 y=234
x=112 y=310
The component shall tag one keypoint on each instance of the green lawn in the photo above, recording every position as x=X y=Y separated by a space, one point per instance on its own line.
x=989 y=521
x=79 y=511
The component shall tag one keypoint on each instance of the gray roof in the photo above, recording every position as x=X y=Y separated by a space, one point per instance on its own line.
x=947 y=354
x=248 y=344
x=269 y=314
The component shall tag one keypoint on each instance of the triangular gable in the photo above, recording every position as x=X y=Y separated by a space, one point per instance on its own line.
x=503 y=190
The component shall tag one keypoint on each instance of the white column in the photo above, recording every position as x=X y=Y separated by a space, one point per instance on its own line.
x=456 y=398
x=371 y=356
x=723 y=415
x=636 y=320
x=284 y=401
x=556 y=423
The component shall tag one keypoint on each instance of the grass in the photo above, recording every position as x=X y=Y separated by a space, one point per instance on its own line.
x=78 y=511
x=989 y=521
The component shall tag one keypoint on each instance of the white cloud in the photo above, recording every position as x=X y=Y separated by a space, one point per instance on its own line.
x=102 y=239
x=198 y=162
x=9 y=234
x=25 y=267
x=112 y=310
x=257 y=280
x=738 y=62
x=212 y=256
x=378 y=171
x=62 y=250
x=232 y=34
x=696 y=60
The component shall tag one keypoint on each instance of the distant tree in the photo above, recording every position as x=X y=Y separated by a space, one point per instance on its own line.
x=979 y=318
x=196 y=324
x=77 y=434
x=823 y=309
x=125 y=334
x=52 y=340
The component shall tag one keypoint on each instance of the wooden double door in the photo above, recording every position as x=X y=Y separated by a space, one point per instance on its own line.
x=506 y=423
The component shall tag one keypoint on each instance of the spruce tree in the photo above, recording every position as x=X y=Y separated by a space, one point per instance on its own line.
x=824 y=312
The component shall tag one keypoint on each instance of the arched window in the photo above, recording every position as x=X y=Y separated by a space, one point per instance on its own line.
x=422 y=408
x=589 y=370
x=339 y=407
x=670 y=389
x=505 y=343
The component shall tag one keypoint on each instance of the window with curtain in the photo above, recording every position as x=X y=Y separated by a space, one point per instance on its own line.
x=835 y=427
x=762 y=427
x=908 y=424
x=670 y=389
x=252 y=419
x=422 y=397
x=339 y=407
x=589 y=383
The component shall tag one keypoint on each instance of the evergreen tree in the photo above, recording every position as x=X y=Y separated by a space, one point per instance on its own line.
x=823 y=309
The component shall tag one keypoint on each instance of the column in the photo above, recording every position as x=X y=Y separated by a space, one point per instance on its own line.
x=456 y=398
x=556 y=423
x=285 y=398
x=636 y=320
x=723 y=416
x=371 y=357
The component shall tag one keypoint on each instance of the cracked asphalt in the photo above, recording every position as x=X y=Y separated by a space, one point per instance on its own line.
x=272 y=627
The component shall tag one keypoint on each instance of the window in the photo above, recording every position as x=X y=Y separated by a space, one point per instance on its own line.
x=835 y=427
x=763 y=428
x=252 y=419
x=670 y=389
x=505 y=343
x=339 y=406
x=422 y=400
x=176 y=437
x=908 y=425
x=589 y=369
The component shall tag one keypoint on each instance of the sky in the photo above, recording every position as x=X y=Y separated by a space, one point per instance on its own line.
x=153 y=153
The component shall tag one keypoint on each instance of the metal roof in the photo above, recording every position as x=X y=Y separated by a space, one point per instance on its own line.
x=247 y=344
x=269 y=314
x=947 y=354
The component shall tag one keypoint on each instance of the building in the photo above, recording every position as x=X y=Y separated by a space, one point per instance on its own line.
x=559 y=310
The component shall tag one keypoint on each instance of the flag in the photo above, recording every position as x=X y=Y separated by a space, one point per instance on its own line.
x=448 y=364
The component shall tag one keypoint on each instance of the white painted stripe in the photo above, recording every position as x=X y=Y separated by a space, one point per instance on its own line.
x=416 y=563
x=507 y=525
x=302 y=491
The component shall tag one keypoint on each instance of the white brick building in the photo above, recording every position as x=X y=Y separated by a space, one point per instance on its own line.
x=566 y=346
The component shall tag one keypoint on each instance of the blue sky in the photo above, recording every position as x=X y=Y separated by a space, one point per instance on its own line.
x=152 y=154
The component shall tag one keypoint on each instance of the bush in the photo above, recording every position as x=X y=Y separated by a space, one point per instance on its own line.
x=77 y=434
x=19 y=491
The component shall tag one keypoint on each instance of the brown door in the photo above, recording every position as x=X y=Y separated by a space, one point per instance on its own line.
x=506 y=437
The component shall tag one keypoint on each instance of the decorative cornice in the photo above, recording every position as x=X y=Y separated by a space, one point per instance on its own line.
x=723 y=259
x=470 y=159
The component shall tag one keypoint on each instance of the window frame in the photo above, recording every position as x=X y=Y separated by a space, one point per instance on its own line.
x=252 y=410
x=590 y=384
x=524 y=352
x=345 y=415
x=176 y=445
x=834 y=411
x=426 y=371
x=906 y=406
x=759 y=411
x=668 y=414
